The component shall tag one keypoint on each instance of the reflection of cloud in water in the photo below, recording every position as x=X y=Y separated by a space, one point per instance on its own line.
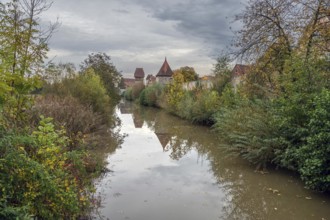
x=195 y=171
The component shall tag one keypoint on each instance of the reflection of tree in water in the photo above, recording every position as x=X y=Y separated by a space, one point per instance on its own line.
x=176 y=135
x=179 y=147
x=179 y=137
x=105 y=141
x=125 y=107
x=246 y=192
x=252 y=195
x=137 y=117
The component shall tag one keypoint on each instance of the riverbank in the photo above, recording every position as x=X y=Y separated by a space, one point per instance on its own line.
x=287 y=131
x=50 y=143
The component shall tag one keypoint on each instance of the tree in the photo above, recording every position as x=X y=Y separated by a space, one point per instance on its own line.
x=188 y=73
x=282 y=26
x=174 y=92
x=222 y=72
x=222 y=66
x=23 y=46
x=287 y=41
x=267 y=23
x=314 y=26
x=275 y=32
x=102 y=66
x=54 y=73
x=23 y=43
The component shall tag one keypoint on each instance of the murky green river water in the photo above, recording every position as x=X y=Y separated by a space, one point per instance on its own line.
x=169 y=169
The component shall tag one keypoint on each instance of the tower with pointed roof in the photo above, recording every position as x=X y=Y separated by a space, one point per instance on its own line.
x=164 y=75
x=139 y=74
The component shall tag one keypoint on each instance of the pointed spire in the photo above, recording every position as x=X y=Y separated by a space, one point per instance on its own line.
x=165 y=70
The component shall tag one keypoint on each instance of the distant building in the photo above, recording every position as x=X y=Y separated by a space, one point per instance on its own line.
x=138 y=78
x=237 y=73
x=150 y=80
x=207 y=82
x=139 y=75
x=204 y=82
x=165 y=74
x=128 y=82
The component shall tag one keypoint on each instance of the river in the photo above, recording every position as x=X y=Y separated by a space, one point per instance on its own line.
x=169 y=169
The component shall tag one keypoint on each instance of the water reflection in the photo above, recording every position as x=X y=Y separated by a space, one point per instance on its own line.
x=164 y=139
x=125 y=108
x=186 y=174
x=175 y=135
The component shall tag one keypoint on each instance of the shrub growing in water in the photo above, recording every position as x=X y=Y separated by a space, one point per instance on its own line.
x=305 y=137
x=314 y=156
x=248 y=130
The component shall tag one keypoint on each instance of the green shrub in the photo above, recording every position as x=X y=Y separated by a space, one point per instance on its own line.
x=199 y=106
x=102 y=66
x=34 y=178
x=185 y=107
x=206 y=105
x=150 y=95
x=142 y=97
x=314 y=156
x=305 y=132
x=128 y=94
x=248 y=130
x=229 y=98
x=174 y=93
x=88 y=89
x=136 y=90
x=67 y=112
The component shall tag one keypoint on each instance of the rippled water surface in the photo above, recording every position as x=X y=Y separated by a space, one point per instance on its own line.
x=169 y=169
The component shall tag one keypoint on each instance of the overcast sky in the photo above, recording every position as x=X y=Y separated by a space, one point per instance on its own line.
x=141 y=33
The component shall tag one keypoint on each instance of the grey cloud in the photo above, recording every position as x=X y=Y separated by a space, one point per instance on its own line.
x=122 y=11
x=208 y=20
x=151 y=29
x=73 y=39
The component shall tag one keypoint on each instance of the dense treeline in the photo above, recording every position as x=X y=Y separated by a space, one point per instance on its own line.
x=280 y=112
x=46 y=165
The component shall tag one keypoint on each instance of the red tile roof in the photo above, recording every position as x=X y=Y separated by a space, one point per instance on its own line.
x=129 y=82
x=165 y=70
x=151 y=78
x=240 y=70
x=139 y=73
